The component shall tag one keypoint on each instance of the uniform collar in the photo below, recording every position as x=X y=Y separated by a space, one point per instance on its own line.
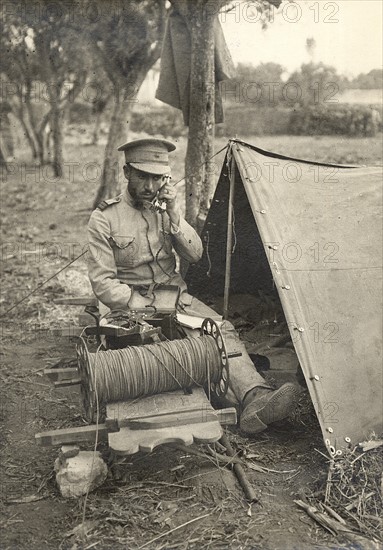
x=128 y=197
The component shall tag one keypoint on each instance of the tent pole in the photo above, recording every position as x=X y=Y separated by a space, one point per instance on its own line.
x=229 y=240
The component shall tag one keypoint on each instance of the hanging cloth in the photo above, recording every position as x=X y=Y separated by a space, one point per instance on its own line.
x=174 y=84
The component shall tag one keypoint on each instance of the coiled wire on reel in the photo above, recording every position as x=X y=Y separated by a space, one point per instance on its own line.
x=136 y=371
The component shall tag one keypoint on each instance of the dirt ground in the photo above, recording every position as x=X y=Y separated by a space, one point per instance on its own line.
x=171 y=498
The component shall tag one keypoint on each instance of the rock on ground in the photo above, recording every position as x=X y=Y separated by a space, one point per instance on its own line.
x=78 y=474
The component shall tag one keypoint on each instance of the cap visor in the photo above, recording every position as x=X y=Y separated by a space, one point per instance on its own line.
x=157 y=169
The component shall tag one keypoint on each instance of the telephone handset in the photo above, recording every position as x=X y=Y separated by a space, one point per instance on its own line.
x=160 y=204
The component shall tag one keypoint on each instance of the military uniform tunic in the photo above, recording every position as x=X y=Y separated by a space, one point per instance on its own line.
x=128 y=246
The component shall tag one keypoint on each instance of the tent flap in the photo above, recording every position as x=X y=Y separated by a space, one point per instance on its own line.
x=320 y=227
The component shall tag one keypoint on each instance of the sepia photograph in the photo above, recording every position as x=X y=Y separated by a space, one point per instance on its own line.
x=191 y=274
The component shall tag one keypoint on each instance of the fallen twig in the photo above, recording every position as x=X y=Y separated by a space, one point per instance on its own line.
x=239 y=472
x=25 y=500
x=174 y=529
x=357 y=500
x=336 y=527
x=15 y=379
x=369 y=445
x=163 y=483
x=333 y=513
x=227 y=461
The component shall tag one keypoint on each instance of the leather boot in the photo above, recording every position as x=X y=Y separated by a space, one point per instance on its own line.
x=263 y=406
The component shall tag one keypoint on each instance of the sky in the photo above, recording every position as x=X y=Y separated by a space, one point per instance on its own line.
x=347 y=33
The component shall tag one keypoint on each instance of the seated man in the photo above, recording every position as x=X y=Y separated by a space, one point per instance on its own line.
x=132 y=243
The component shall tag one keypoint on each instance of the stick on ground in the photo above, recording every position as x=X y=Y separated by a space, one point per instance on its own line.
x=240 y=472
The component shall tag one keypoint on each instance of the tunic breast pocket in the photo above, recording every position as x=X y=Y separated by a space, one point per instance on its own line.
x=125 y=250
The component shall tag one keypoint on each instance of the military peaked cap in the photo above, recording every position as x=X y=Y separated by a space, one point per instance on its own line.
x=148 y=155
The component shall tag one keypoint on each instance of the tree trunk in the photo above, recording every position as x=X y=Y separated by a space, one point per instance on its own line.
x=56 y=120
x=35 y=131
x=27 y=133
x=118 y=131
x=98 y=110
x=110 y=176
x=3 y=160
x=96 y=128
x=22 y=110
x=199 y=180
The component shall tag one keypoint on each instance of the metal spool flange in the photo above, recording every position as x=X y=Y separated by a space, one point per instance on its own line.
x=210 y=328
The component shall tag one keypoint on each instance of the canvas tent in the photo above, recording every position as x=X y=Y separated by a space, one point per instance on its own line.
x=313 y=232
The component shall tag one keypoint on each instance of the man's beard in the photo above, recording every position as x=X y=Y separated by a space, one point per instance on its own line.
x=142 y=204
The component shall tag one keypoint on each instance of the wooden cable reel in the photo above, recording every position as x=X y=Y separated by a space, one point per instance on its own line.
x=218 y=385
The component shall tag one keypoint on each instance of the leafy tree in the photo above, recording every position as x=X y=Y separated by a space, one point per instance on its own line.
x=61 y=67
x=44 y=48
x=313 y=84
x=18 y=76
x=257 y=85
x=127 y=42
x=264 y=72
x=370 y=81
